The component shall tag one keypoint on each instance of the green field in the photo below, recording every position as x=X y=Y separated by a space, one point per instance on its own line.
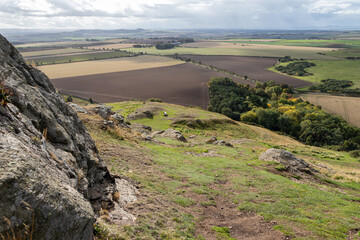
x=234 y=51
x=348 y=52
x=79 y=58
x=181 y=176
x=304 y=43
x=333 y=69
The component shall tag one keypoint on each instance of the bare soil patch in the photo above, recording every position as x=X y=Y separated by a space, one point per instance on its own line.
x=184 y=84
x=253 y=67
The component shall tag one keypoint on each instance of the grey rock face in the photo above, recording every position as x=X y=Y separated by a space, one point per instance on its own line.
x=47 y=158
x=288 y=159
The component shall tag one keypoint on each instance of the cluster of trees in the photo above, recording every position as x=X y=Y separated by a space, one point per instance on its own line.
x=142 y=45
x=335 y=86
x=273 y=106
x=352 y=58
x=287 y=59
x=296 y=68
x=232 y=99
x=162 y=45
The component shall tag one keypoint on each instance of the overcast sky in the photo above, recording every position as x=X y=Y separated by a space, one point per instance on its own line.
x=179 y=14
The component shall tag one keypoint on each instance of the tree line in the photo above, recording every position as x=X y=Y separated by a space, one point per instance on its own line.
x=274 y=107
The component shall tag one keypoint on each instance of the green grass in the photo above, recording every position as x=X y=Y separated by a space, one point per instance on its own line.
x=309 y=54
x=334 y=69
x=322 y=209
x=78 y=58
x=349 y=52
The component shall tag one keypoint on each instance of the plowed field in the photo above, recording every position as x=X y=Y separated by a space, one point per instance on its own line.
x=184 y=84
x=253 y=67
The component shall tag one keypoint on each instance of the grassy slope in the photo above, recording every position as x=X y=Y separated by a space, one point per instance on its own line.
x=190 y=186
x=233 y=51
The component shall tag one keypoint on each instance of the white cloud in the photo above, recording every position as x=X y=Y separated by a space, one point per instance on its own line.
x=154 y=14
x=334 y=7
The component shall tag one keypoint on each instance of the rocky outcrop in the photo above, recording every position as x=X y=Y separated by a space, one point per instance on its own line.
x=288 y=159
x=139 y=115
x=171 y=133
x=50 y=170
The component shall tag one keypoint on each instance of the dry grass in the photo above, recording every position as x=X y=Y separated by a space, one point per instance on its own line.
x=346 y=107
x=106 y=66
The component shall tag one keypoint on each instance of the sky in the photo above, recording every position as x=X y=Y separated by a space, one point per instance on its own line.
x=180 y=14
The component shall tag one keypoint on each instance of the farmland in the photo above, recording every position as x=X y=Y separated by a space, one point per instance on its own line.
x=237 y=51
x=184 y=84
x=106 y=66
x=334 y=69
x=52 y=52
x=346 y=107
x=253 y=67
x=112 y=46
x=79 y=57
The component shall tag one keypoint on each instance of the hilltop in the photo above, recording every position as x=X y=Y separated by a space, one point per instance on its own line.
x=204 y=188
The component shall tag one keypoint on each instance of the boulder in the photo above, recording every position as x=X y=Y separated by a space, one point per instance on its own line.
x=211 y=140
x=117 y=118
x=139 y=115
x=103 y=111
x=140 y=128
x=77 y=108
x=288 y=159
x=171 y=133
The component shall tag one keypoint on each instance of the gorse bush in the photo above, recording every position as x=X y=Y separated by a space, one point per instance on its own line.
x=272 y=106
x=4 y=95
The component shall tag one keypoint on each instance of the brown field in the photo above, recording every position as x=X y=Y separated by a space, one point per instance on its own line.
x=53 y=52
x=214 y=44
x=67 y=54
x=253 y=67
x=106 y=66
x=184 y=84
x=112 y=46
x=346 y=107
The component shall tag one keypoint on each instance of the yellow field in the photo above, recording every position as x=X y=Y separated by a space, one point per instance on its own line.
x=106 y=66
x=346 y=107
x=111 y=46
x=214 y=44
x=52 y=52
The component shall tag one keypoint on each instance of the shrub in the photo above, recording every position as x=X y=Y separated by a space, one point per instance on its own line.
x=155 y=100
x=4 y=95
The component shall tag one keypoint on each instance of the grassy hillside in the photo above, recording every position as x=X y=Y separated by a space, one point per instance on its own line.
x=195 y=190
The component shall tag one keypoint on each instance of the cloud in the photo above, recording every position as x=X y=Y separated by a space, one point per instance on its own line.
x=241 y=14
x=334 y=7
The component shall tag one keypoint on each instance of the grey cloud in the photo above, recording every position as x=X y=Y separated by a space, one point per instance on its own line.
x=260 y=14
